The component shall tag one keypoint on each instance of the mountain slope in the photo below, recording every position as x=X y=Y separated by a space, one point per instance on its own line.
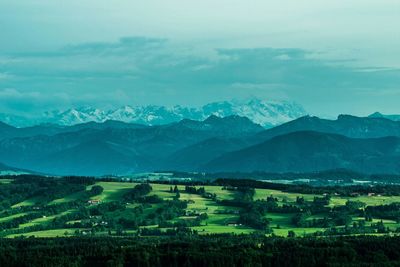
x=192 y=157
x=4 y=168
x=7 y=131
x=232 y=143
x=130 y=147
x=389 y=117
x=92 y=158
x=313 y=151
x=227 y=126
x=350 y=126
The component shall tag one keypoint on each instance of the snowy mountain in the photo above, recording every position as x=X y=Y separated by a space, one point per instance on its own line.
x=263 y=112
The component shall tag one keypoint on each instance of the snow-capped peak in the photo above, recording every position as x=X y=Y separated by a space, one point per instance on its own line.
x=264 y=112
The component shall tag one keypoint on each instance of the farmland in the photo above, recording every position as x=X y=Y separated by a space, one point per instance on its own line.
x=117 y=208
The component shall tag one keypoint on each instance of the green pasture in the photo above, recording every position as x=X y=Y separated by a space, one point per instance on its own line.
x=28 y=202
x=221 y=219
x=48 y=233
x=281 y=196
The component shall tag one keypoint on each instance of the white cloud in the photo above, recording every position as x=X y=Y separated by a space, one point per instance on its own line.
x=5 y=76
x=158 y=71
x=365 y=29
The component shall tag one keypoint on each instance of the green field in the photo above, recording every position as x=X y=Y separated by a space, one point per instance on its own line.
x=220 y=219
x=5 y=181
x=289 y=197
x=8 y=218
x=28 y=202
x=49 y=233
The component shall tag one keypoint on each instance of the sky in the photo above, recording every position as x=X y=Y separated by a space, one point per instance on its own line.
x=332 y=57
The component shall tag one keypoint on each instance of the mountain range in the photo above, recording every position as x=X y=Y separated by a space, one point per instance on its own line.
x=265 y=113
x=313 y=151
x=232 y=143
x=380 y=115
x=111 y=147
x=347 y=125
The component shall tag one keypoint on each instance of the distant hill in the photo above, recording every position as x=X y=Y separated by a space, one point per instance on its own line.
x=192 y=157
x=95 y=157
x=4 y=169
x=350 y=126
x=228 y=126
x=8 y=131
x=216 y=144
x=116 y=147
x=313 y=151
x=389 y=117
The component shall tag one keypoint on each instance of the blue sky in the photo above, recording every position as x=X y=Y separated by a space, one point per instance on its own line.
x=331 y=57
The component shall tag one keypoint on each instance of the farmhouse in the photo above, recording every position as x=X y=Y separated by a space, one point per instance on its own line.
x=94 y=201
x=234 y=224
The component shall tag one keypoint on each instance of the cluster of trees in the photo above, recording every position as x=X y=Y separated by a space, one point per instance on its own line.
x=165 y=211
x=335 y=174
x=139 y=191
x=46 y=189
x=181 y=231
x=95 y=190
x=185 y=250
x=35 y=212
x=195 y=190
x=345 y=191
x=99 y=217
x=357 y=227
x=254 y=216
x=390 y=212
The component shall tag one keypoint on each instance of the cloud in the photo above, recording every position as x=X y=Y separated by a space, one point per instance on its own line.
x=13 y=100
x=4 y=76
x=34 y=102
x=140 y=70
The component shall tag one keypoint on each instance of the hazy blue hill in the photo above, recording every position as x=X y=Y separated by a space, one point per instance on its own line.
x=4 y=167
x=350 y=126
x=220 y=144
x=125 y=147
x=93 y=158
x=313 y=151
x=192 y=157
x=389 y=117
x=7 y=131
x=8 y=170
x=231 y=125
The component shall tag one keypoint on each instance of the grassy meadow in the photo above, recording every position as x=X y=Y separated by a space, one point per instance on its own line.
x=220 y=219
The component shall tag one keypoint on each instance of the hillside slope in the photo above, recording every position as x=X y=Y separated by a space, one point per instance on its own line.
x=313 y=151
x=116 y=147
x=350 y=126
